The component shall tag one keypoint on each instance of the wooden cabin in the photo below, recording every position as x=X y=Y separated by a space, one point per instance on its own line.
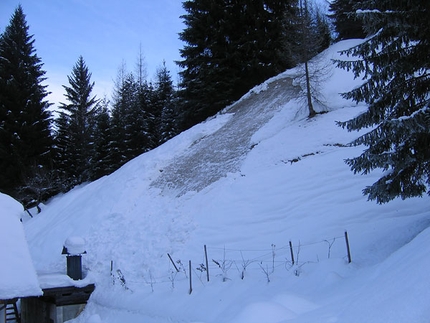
x=48 y=298
x=64 y=296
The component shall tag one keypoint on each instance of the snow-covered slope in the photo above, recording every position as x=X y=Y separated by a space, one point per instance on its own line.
x=244 y=184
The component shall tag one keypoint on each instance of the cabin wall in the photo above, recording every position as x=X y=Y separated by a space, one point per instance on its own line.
x=2 y=313
x=35 y=310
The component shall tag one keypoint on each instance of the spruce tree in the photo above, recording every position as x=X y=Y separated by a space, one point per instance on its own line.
x=118 y=119
x=79 y=112
x=165 y=103
x=230 y=46
x=25 y=138
x=322 y=29
x=136 y=138
x=63 y=152
x=206 y=83
x=394 y=62
x=130 y=118
x=148 y=117
x=345 y=21
x=103 y=163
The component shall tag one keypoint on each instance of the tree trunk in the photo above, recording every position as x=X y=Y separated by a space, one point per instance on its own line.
x=312 y=112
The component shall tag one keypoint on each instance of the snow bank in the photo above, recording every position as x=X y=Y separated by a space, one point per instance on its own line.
x=17 y=275
x=75 y=245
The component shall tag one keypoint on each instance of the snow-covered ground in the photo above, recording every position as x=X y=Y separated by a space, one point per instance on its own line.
x=245 y=185
x=17 y=275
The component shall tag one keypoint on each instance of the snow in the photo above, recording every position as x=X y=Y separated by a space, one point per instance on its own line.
x=75 y=245
x=244 y=184
x=62 y=280
x=17 y=274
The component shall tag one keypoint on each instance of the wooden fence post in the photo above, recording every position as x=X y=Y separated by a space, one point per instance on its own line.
x=292 y=252
x=347 y=247
x=177 y=270
x=191 y=284
x=207 y=263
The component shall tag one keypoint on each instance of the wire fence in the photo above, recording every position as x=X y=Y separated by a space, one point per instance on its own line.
x=228 y=264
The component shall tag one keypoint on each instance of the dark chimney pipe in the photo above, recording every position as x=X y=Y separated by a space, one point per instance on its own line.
x=74 y=267
x=74 y=249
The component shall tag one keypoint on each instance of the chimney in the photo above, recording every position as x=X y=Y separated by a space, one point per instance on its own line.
x=74 y=248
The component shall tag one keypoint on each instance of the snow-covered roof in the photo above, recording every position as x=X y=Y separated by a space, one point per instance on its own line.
x=17 y=274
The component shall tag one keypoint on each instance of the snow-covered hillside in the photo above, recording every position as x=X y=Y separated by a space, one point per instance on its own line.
x=244 y=184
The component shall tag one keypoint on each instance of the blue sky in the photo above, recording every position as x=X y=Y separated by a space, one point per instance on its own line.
x=105 y=32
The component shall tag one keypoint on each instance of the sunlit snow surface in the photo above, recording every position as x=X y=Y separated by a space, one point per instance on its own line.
x=244 y=184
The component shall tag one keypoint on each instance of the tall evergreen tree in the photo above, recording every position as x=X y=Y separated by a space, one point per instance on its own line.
x=148 y=117
x=322 y=29
x=130 y=118
x=25 y=139
x=165 y=103
x=119 y=107
x=346 y=23
x=103 y=162
x=79 y=112
x=63 y=153
x=137 y=140
x=230 y=47
x=396 y=66
x=204 y=90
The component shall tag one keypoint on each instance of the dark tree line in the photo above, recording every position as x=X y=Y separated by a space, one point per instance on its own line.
x=230 y=46
x=233 y=45
x=347 y=24
x=41 y=156
x=142 y=116
x=92 y=140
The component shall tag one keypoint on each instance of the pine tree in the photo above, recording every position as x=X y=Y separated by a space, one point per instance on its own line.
x=136 y=139
x=165 y=102
x=103 y=162
x=206 y=84
x=148 y=134
x=130 y=118
x=394 y=62
x=25 y=138
x=118 y=127
x=322 y=29
x=231 y=46
x=346 y=23
x=79 y=112
x=63 y=153
x=118 y=119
